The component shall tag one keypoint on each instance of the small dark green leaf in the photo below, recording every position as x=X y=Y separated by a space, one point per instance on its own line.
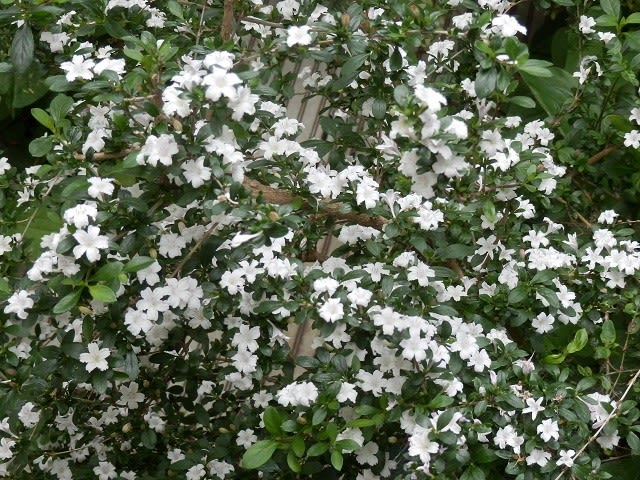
x=379 y=108
x=440 y=401
x=43 y=118
x=293 y=462
x=108 y=272
x=131 y=366
x=67 y=302
x=259 y=453
x=347 y=445
x=608 y=333
x=39 y=147
x=634 y=443
x=22 y=49
x=298 y=446
x=60 y=107
x=473 y=473
x=319 y=415
x=337 y=459
x=579 y=341
x=317 y=449
x=486 y=82
x=522 y=101
x=102 y=293
x=272 y=421
x=489 y=211
x=517 y=295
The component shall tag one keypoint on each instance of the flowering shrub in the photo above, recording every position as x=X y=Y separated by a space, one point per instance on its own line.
x=460 y=237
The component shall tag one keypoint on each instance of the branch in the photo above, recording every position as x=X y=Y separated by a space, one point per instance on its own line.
x=98 y=157
x=227 y=20
x=281 y=197
x=603 y=153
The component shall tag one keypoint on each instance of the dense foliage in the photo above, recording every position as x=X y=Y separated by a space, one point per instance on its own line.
x=476 y=315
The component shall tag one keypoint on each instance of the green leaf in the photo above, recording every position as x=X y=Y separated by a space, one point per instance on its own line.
x=317 y=449
x=553 y=93
x=337 y=459
x=489 y=211
x=138 y=263
x=634 y=443
x=440 y=401
x=554 y=358
x=319 y=415
x=298 y=446
x=293 y=462
x=259 y=453
x=611 y=7
x=60 y=107
x=272 y=421
x=579 y=341
x=349 y=71
x=517 y=295
x=633 y=18
x=608 y=332
x=401 y=95
x=536 y=68
x=108 y=272
x=43 y=118
x=347 y=445
x=102 y=293
x=39 y=147
x=67 y=302
x=149 y=438
x=22 y=49
x=395 y=61
x=175 y=8
x=131 y=366
x=379 y=108
x=522 y=101
x=473 y=473
x=486 y=82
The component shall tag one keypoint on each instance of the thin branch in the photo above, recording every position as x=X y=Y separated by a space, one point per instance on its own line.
x=604 y=424
x=193 y=250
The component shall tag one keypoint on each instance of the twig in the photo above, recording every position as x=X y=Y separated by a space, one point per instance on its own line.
x=193 y=250
x=281 y=197
x=604 y=424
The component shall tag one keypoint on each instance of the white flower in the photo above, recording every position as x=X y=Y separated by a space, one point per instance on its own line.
x=130 y=396
x=506 y=26
x=246 y=438
x=538 y=457
x=90 y=242
x=28 y=416
x=19 y=303
x=543 y=323
x=105 y=471
x=632 y=139
x=332 y=310
x=80 y=214
x=78 y=67
x=195 y=172
x=100 y=186
x=586 y=24
x=608 y=216
x=566 y=458
x=95 y=358
x=298 y=36
x=4 y=165
x=158 y=149
x=297 y=393
x=548 y=429
x=507 y=436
